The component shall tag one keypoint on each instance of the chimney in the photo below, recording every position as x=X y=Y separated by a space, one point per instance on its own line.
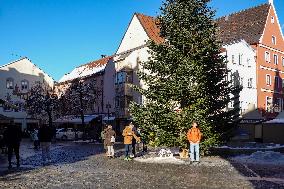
x=103 y=55
x=227 y=18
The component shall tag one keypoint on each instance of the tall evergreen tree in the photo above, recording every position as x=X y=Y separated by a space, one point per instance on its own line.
x=186 y=71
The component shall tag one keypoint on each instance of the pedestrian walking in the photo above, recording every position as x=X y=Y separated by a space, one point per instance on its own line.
x=45 y=137
x=110 y=136
x=34 y=136
x=128 y=135
x=194 y=137
x=103 y=137
x=12 y=138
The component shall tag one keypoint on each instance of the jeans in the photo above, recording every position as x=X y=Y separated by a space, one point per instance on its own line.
x=127 y=149
x=110 y=151
x=194 y=150
x=45 y=149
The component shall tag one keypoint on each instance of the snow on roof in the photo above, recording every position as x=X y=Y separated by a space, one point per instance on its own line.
x=86 y=69
x=278 y=119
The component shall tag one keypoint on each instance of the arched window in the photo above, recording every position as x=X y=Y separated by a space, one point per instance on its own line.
x=10 y=83
x=24 y=84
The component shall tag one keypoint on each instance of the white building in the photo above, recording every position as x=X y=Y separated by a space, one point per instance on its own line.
x=16 y=79
x=242 y=66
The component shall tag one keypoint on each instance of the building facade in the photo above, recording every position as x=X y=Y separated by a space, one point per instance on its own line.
x=16 y=80
x=99 y=85
x=253 y=43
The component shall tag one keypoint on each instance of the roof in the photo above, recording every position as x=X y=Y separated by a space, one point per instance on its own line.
x=248 y=24
x=22 y=58
x=86 y=69
x=150 y=26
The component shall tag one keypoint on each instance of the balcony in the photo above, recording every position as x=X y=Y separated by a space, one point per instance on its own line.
x=123 y=90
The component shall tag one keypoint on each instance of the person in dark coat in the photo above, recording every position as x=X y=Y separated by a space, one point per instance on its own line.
x=12 y=138
x=45 y=136
x=110 y=136
x=134 y=142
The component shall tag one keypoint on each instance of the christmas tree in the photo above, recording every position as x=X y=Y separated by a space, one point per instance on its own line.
x=185 y=73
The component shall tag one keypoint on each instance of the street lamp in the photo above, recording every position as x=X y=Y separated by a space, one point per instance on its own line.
x=108 y=106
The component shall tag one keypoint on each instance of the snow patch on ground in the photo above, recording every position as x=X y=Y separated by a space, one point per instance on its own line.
x=168 y=160
x=268 y=157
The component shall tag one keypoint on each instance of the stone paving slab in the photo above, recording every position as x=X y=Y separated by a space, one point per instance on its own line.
x=85 y=166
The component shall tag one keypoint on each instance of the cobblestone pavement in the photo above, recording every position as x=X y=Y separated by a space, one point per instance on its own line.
x=84 y=166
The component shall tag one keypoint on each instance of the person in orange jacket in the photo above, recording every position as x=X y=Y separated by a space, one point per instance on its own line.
x=128 y=135
x=194 y=137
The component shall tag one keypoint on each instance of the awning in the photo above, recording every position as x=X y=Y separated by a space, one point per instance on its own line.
x=75 y=119
x=5 y=119
x=108 y=118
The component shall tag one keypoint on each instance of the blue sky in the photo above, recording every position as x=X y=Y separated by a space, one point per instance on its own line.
x=58 y=35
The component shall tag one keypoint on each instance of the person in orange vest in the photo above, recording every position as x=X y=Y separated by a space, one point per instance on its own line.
x=194 y=137
x=128 y=135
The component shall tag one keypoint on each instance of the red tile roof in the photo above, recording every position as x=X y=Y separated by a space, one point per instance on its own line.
x=150 y=26
x=98 y=63
x=247 y=24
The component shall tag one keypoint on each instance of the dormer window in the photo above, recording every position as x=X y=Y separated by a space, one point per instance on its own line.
x=10 y=83
x=273 y=40
x=272 y=19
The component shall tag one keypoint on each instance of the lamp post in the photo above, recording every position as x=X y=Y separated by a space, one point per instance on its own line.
x=108 y=106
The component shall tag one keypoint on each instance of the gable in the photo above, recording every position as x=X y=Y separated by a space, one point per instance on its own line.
x=272 y=29
x=134 y=36
x=25 y=69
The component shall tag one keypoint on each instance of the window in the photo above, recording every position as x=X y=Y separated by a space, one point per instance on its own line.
x=250 y=83
x=276 y=82
x=267 y=56
x=242 y=81
x=282 y=61
x=10 y=83
x=274 y=40
x=24 y=84
x=268 y=79
x=275 y=57
x=269 y=105
x=233 y=59
x=272 y=19
x=277 y=105
x=120 y=77
x=240 y=59
x=248 y=62
x=231 y=104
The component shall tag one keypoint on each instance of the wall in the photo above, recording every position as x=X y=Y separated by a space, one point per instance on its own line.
x=245 y=70
x=269 y=67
